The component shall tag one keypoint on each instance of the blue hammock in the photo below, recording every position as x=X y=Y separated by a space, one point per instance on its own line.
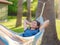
x=36 y=38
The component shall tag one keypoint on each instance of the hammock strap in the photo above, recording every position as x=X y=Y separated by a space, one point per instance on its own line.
x=42 y=9
x=40 y=18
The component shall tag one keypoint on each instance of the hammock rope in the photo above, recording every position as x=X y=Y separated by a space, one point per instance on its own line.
x=42 y=9
x=44 y=3
x=40 y=18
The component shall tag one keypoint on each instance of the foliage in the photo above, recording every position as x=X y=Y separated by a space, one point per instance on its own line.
x=12 y=9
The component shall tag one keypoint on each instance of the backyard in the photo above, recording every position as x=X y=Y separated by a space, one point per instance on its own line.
x=13 y=13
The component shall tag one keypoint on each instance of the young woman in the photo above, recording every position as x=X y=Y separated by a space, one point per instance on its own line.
x=34 y=28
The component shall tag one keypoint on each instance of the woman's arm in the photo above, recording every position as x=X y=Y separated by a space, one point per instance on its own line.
x=46 y=23
x=26 y=22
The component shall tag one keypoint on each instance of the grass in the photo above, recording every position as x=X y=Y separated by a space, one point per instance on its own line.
x=58 y=28
x=12 y=22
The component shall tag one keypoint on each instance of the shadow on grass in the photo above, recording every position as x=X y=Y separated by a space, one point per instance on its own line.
x=18 y=30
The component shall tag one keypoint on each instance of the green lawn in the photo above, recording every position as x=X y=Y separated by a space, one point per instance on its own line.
x=12 y=21
x=58 y=28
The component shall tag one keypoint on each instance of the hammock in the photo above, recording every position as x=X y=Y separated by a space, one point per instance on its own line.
x=36 y=39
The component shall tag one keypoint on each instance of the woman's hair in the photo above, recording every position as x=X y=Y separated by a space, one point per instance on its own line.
x=38 y=23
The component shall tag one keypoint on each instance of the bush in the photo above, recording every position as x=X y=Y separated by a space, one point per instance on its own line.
x=12 y=9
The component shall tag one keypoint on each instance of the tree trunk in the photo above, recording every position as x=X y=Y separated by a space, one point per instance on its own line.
x=19 y=14
x=28 y=11
x=50 y=35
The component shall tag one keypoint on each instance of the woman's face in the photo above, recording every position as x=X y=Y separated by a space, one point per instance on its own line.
x=33 y=24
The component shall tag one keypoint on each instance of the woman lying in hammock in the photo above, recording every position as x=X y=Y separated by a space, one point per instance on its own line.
x=34 y=28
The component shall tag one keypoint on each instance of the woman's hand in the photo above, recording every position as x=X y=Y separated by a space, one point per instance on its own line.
x=46 y=23
x=26 y=22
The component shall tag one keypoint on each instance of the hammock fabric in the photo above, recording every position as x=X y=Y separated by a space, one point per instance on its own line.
x=36 y=39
